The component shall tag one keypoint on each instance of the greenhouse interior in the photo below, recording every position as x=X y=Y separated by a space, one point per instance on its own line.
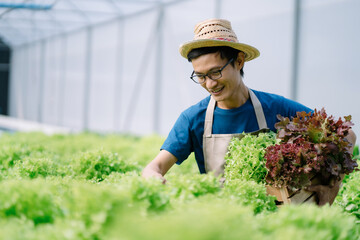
x=114 y=66
x=90 y=90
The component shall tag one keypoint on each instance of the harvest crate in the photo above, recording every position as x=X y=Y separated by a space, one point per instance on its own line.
x=284 y=196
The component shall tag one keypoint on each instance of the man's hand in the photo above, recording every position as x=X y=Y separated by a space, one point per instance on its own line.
x=159 y=166
x=326 y=193
x=148 y=173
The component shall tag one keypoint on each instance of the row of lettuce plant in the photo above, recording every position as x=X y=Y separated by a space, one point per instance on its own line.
x=88 y=186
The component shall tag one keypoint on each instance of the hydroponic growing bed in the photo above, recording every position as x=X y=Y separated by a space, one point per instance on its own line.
x=88 y=186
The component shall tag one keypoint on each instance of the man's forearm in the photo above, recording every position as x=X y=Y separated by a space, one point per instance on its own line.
x=160 y=165
x=151 y=170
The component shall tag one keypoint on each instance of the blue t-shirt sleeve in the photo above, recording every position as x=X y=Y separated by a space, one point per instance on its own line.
x=178 y=141
x=292 y=107
x=274 y=104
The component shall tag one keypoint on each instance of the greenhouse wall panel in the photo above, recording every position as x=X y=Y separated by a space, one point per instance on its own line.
x=52 y=82
x=32 y=82
x=329 y=68
x=74 y=82
x=15 y=91
x=103 y=76
x=137 y=83
x=113 y=76
x=271 y=32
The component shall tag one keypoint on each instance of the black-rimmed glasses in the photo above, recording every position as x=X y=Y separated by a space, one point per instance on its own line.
x=213 y=75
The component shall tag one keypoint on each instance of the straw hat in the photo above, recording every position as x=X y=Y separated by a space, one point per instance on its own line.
x=217 y=32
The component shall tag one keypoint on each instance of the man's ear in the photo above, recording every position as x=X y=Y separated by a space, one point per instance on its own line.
x=239 y=63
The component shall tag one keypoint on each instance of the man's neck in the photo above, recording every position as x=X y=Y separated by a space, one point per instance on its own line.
x=238 y=100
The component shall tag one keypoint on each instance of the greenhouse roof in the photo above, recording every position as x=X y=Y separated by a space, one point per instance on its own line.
x=26 y=21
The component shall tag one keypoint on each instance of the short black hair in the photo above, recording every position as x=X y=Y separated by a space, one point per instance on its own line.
x=225 y=53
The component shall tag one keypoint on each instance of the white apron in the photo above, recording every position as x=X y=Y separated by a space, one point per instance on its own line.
x=215 y=146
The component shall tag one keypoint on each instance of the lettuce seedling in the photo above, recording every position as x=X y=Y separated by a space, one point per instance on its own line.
x=245 y=159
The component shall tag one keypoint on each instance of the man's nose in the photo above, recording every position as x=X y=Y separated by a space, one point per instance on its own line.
x=210 y=83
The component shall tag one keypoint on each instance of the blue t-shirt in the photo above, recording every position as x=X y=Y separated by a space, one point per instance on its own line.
x=186 y=136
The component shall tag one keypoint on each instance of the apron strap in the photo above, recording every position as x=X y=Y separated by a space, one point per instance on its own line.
x=209 y=116
x=259 y=112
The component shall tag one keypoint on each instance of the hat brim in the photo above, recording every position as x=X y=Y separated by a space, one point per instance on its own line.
x=250 y=52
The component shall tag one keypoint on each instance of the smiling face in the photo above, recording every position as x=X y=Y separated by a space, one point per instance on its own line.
x=229 y=91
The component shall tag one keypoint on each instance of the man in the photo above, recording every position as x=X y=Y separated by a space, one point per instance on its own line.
x=207 y=127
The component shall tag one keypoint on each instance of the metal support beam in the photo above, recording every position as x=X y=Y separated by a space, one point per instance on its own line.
x=57 y=24
x=139 y=79
x=16 y=31
x=12 y=94
x=41 y=82
x=30 y=6
x=61 y=23
x=80 y=13
x=113 y=3
x=21 y=83
x=61 y=99
x=87 y=82
x=296 y=43
x=26 y=83
x=118 y=107
x=158 y=71
x=218 y=4
x=110 y=20
x=119 y=68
